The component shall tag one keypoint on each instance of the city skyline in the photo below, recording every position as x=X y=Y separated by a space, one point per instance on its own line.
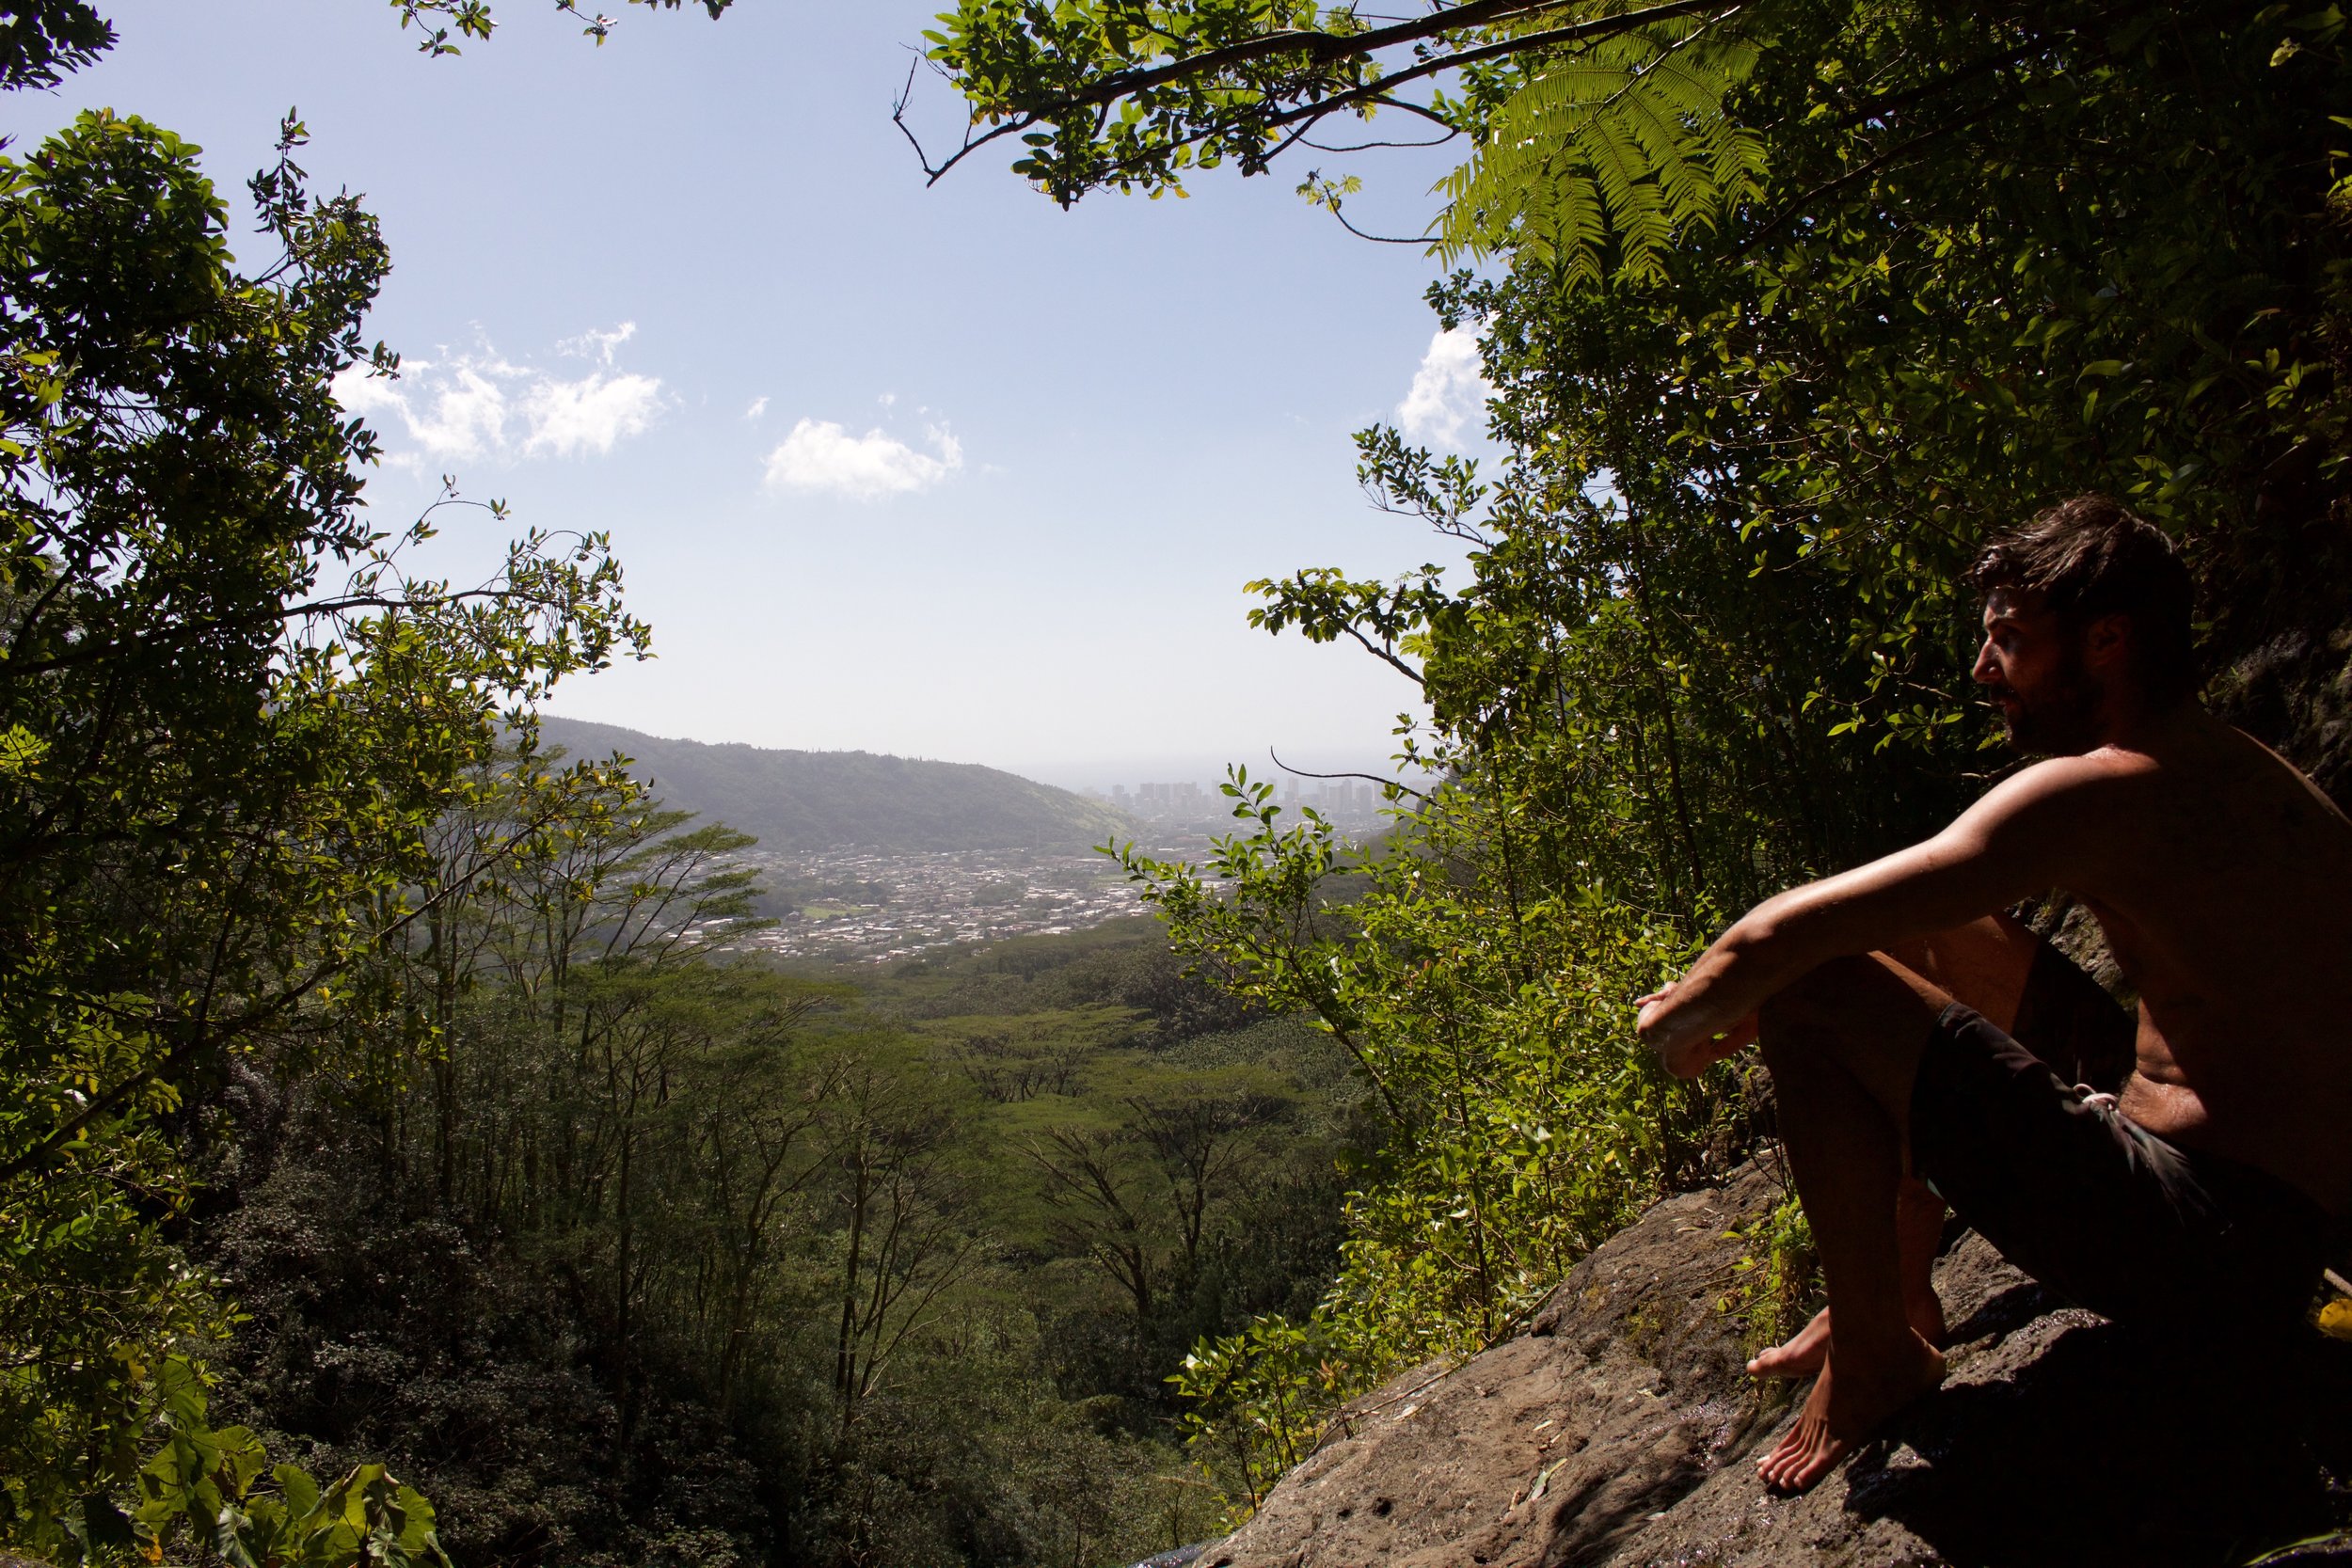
x=1189 y=799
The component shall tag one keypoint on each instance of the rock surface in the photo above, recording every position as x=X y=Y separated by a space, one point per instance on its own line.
x=1621 y=1427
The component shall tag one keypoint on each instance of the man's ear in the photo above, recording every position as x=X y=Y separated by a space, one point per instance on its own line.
x=2108 y=643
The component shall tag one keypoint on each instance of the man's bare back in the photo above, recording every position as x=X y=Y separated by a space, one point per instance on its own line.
x=2222 y=878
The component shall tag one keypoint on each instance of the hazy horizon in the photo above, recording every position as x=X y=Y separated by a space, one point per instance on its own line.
x=1202 y=767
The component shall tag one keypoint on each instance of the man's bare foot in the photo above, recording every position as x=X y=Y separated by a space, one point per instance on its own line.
x=1842 y=1410
x=1805 y=1353
x=1802 y=1356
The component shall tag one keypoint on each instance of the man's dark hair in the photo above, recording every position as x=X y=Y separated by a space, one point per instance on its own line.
x=2094 y=556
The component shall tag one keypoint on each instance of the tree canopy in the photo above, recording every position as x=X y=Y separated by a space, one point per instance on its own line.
x=1588 y=122
x=228 y=717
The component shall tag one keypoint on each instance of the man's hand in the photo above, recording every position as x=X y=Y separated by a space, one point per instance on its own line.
x=1685 y=1046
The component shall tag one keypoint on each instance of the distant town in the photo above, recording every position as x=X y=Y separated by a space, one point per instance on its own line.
x=864 y=906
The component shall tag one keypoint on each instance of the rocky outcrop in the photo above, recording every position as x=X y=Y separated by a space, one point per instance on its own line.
x=1620 y=1428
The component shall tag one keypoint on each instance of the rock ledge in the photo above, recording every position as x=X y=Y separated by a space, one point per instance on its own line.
x=1621 y=1427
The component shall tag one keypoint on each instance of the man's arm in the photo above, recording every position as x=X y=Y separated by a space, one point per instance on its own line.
x=2031 y=832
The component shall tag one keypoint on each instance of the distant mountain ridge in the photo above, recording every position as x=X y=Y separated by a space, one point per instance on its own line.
x=827 y=800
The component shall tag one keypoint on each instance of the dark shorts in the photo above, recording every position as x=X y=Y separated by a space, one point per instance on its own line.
x=2087 y=1201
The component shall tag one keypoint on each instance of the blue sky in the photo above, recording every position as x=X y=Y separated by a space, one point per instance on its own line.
x=944 y=471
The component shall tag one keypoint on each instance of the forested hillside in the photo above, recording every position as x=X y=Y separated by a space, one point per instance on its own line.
x=819 y=800
x=669 y=1259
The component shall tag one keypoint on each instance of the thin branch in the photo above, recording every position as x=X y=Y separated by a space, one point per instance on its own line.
x=1715 y=10
x=1376 y=239
x=1370 y=777
x=971 y=143
x=1374 y=146
x=1408 y=106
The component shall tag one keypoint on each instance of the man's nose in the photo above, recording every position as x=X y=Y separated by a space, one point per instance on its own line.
x=1986 y=672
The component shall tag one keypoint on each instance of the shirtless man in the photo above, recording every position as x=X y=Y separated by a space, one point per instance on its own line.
x=2204 y=1199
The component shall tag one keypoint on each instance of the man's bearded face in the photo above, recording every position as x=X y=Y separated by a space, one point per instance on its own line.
x=2034 y=672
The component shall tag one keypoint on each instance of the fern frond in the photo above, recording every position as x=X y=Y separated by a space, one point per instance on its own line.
x=1624 y=140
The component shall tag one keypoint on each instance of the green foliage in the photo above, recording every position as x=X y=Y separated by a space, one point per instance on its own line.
x=1124 y=963
x=1488 y=1012
x=1710 y=640
x=1780 y=1279
x=1137 y=93
x=1895 y=356
x=1802 y=299
x=44 y=40
x=205 y=1480
x=1624 y=143
x=323 y=984
x=231 y=722
x=568 y=1177
x=214 y=1493
x=2298 y=1551
x=1599 y=127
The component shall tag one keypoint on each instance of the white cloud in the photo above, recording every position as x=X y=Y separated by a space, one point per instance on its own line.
x=569 y=417
x=592 y=344
x=760 y=407
x=1448 y=391
x=475 y=405
x=820 y=455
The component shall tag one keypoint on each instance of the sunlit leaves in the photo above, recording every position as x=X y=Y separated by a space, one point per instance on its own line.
x=1600 y=127
x=230 y=715
x=1626 y=142
x=215 y=1490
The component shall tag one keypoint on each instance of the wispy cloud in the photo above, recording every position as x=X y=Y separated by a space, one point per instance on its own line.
x=592 y=344
x=760 y=407
x=1449 y=390
x=469 y=407
x=821 y=456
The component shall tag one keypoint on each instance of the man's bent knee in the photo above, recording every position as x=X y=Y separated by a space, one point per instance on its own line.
x=1825 y=998
x=1866 y=1012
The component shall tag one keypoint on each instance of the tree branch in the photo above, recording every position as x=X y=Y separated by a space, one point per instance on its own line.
x=1575 y=32
x=91 y=652
x=1324 y=48
x=1386 y=655
x=1369 y=778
